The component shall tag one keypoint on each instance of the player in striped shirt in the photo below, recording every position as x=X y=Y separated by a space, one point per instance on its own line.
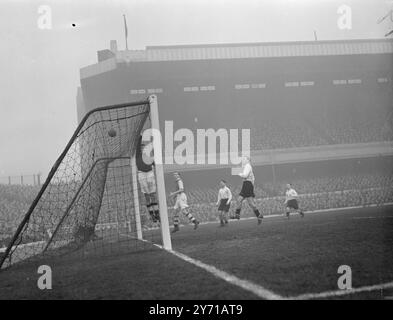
x=247 y=192
x=291 y=203
x=224 y=202
x=181 y=204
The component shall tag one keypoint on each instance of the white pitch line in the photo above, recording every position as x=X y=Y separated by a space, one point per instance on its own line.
x=337 y=293
x=258 y=290
x=368 y=218
x=263 y=293
x=254 y=288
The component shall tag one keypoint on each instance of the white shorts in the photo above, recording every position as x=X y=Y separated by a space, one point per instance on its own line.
x=181 y=202
x=147 y=182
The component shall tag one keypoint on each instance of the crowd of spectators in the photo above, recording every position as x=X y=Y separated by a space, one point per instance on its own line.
x=333 y=183
x=274 y=130
x=282 y=132
x=14 y=203
x=303 y=130
x=352 y=128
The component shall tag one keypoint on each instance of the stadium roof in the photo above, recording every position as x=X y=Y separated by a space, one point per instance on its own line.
x=242 y=51
x=265 y=50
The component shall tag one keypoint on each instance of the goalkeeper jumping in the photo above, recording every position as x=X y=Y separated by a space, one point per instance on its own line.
x=146 y=178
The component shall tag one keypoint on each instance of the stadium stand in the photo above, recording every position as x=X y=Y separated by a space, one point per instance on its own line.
x=296 y=129
x=340 y=126
x=14 y=203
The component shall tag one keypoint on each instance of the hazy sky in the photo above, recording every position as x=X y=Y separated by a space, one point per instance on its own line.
x=39 y=69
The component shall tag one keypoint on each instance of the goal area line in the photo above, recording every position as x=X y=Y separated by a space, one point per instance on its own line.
x=254 y=288
x=264 y=293
x=344 y=292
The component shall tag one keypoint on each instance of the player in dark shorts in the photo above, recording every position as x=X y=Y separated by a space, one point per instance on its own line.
x=247 y=191
x=224 y=202
x=291 y=203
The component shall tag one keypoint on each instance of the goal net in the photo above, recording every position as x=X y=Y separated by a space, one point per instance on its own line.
x=91 y=201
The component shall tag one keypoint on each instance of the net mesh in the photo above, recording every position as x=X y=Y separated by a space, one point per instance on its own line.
x=88 y=197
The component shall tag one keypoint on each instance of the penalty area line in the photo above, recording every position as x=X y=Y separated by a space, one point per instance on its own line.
x=337 y=293
x=249 y=286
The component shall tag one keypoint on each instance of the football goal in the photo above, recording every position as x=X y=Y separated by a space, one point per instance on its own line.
x=91 y=201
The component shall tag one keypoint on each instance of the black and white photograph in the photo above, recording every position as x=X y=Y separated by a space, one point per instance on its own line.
x=196 y=154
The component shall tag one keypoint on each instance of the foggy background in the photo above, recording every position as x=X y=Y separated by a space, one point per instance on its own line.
x=39 y=69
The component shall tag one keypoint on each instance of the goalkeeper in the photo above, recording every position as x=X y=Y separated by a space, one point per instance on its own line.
x=146 y=178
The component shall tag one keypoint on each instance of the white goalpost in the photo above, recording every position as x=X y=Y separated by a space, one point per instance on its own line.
x=159 y=174
x=160 y=182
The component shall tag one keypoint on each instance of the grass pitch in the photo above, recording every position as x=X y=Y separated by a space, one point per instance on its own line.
x=288 y=257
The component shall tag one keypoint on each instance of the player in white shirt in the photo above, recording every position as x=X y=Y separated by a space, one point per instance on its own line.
x=291 y=203
x=247 y=192
x=181 y=204
x=224 y=202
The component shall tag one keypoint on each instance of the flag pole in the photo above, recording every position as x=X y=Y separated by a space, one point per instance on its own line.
x=125 y=30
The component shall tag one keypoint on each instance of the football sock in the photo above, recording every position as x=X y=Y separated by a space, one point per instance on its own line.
x=190 y=216
x=151 y=211
x=154 y=206
x=157 y=215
